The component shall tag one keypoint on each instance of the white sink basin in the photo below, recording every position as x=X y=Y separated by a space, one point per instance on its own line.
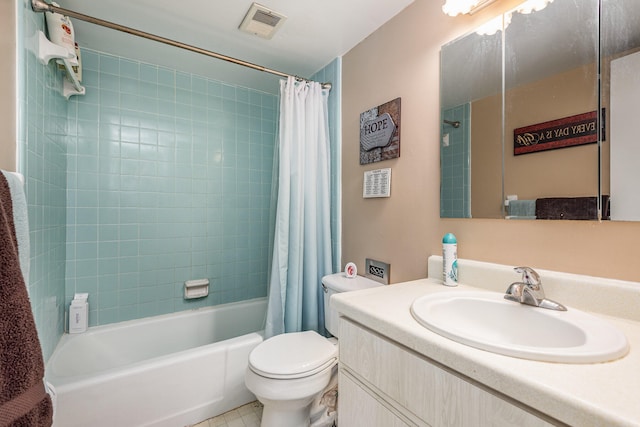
x=487 y=321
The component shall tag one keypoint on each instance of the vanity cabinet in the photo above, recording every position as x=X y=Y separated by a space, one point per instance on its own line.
x=362 y=408
x=385 y=384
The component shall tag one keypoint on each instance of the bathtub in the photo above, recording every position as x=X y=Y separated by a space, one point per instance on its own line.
x=164 y=371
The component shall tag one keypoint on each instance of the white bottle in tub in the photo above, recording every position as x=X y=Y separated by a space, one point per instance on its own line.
x=79 y=313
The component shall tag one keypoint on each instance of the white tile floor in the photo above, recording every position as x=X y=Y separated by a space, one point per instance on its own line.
x=248 y=415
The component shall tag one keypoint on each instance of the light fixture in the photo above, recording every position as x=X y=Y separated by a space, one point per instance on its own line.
x=533 y=6
x=498 y=23
x=457 y=7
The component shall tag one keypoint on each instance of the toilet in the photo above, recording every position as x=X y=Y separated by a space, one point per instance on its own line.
x=288 y=371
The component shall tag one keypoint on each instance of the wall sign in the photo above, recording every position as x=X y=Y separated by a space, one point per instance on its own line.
x=380 y=133
x=566 y=132
x=377 y=183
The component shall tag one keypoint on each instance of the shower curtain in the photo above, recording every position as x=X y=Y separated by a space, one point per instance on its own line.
x=301 y=252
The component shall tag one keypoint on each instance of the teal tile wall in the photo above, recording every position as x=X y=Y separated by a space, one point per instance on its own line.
x=332 y=73
x=455 y=164
x=41 y=133
x=154 y=177
x=169 y=179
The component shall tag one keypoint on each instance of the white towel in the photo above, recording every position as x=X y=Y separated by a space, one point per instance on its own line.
x=522 y=209
x=20 y=220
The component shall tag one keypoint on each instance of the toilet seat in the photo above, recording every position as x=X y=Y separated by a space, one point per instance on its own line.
x=293 y=355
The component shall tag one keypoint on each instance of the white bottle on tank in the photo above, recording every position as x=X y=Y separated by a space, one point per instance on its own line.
x=450 y=260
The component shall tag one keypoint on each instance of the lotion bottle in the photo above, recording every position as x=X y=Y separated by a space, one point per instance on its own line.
x=61 y=32
x=449 y=260
x=79 y=314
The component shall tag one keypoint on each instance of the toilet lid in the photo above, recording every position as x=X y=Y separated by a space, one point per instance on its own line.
x=293 y=355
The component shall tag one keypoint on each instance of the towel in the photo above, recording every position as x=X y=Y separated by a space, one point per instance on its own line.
x=23 y=399
x=576 y=208
x=522 y=208
x=20 y=220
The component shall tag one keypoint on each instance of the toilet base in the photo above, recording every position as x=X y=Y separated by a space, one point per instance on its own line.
x=289 y=414
x=288 y=399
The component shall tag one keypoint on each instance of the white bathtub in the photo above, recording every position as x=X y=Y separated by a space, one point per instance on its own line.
x=171 y=370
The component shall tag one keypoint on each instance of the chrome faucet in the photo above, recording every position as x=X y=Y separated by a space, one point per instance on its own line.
x=529 y=291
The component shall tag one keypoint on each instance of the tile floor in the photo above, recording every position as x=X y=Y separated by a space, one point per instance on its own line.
x=248 y=415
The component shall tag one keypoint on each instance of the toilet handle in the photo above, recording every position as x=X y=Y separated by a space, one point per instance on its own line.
x=324 y=288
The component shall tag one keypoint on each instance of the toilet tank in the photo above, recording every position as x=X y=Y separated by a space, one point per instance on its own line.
x=339 y=282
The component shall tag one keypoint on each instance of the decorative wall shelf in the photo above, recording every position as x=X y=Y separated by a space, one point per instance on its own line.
x=47 y=51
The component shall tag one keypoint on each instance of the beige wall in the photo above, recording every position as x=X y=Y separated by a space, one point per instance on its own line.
x=402 y=59
x=8 y=85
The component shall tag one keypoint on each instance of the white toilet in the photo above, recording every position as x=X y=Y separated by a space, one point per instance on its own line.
x=288 y=371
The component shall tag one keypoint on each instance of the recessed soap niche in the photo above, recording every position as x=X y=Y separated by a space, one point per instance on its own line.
x=198 y=288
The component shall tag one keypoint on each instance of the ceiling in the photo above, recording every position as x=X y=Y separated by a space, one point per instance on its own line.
x=315 y=33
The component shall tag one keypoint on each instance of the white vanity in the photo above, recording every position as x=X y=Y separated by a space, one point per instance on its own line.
x=396 y=372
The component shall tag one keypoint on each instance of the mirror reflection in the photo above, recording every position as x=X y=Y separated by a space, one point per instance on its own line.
x=546 y=152
x=620 y=65
x=551 y=80
x=471 y=105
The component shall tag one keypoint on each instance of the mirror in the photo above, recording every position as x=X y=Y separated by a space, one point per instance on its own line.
x=471 y=106
x=551 y=80
x=529 y=128
x=620 y=68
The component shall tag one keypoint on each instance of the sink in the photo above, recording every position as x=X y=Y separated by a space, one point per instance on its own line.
x=487 y=321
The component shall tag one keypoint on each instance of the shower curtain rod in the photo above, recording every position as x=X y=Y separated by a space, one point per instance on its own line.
x=41 y=6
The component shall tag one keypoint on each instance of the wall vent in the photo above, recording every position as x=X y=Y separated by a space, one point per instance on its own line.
x=262 y=21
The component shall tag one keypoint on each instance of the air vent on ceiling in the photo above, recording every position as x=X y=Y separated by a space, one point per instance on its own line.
x=262 y=21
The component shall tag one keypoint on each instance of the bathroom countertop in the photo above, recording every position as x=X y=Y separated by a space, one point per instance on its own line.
x=599 y=394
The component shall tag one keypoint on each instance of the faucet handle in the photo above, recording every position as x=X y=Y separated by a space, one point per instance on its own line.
x=529 y=277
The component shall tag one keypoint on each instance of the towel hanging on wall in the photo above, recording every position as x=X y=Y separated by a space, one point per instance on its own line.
x=20 y=220
x=23 y=399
